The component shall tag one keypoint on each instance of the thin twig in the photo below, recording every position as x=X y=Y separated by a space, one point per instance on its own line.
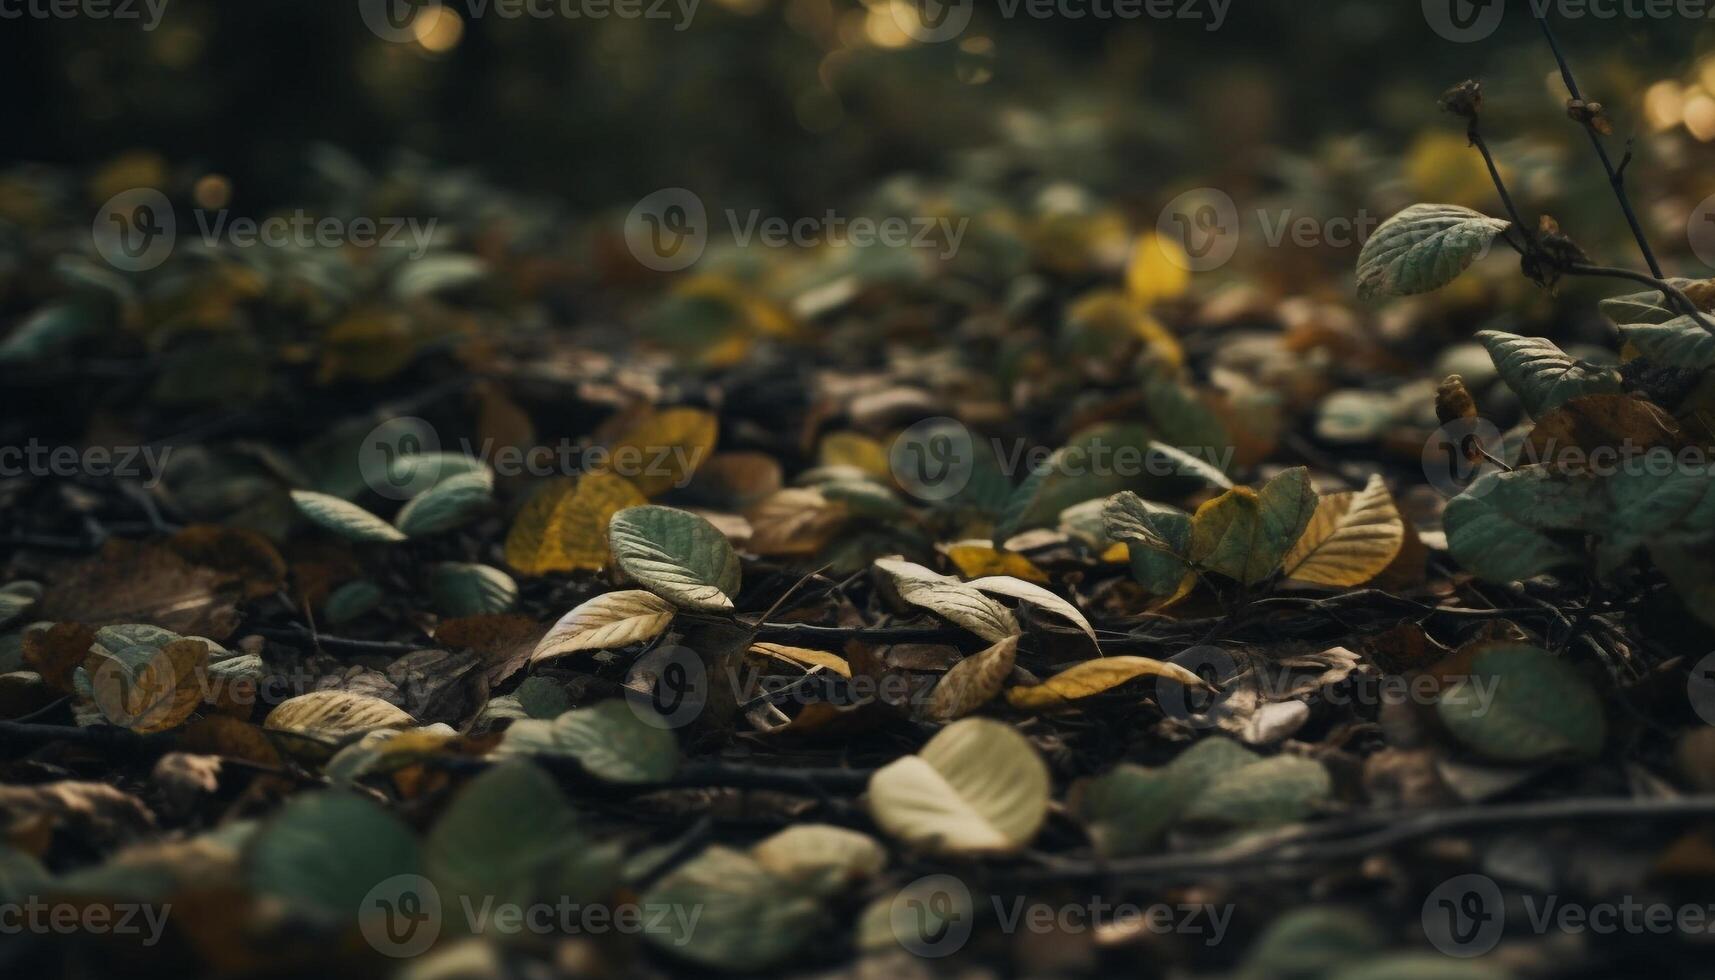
x=1362 y=835
x=1616 y=175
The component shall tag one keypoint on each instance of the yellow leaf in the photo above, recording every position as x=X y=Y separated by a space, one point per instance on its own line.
x=563 y=528
x=1159 y=270
x=977 y=558
x=1441 y=166
x=977 y=787
x=1352 y=538
x=803 y=657
x=856 y=450
x=1093 y=677
x=664 y=448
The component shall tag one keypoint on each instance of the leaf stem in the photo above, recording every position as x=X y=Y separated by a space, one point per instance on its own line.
x=1616 y=176
x=1672 y=292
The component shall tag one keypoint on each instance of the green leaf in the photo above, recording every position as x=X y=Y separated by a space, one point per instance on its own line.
x=1128 y=808
x=344 y=518
x=1649 y=306
x=1542 y=375
x=505 y=834
x=326 y=850
x=679 y=555
x=1423 y=248
x=1243 y=534
x=447 y=505
x=1497 y=527
x=608 y=739
x=1521 y=703
x=1679 y=342
x=1158 y=539
x=462 y=589
x=1422 y=966
x=745 y=917
x=1310 y=943
x=16 y=599
x=350 y=601
x=1270 y=791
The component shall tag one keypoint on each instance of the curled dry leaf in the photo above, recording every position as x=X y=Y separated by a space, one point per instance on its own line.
x=333 y=715
x=1093 y=677
x=803 y=657
x=794 y=521
x=973 y=681
x=1036 y=596
x=614 y=619
x=950 y=599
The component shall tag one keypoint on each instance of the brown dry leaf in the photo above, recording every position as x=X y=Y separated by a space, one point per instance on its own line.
x=129 y=582
x=1591 y=422
x=610 y=620
x=662 y=450
x=1353 y=537
x=1094 y=677
x=737 y=480
x=243 y=554
x=57 y=651
x=335 y=714
x=803 y=657
x=794 y=521
x=503 y=639
x=157 y=695
x=231 y=738
x=973 y=682
x=94 y=814
x=563 y=528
